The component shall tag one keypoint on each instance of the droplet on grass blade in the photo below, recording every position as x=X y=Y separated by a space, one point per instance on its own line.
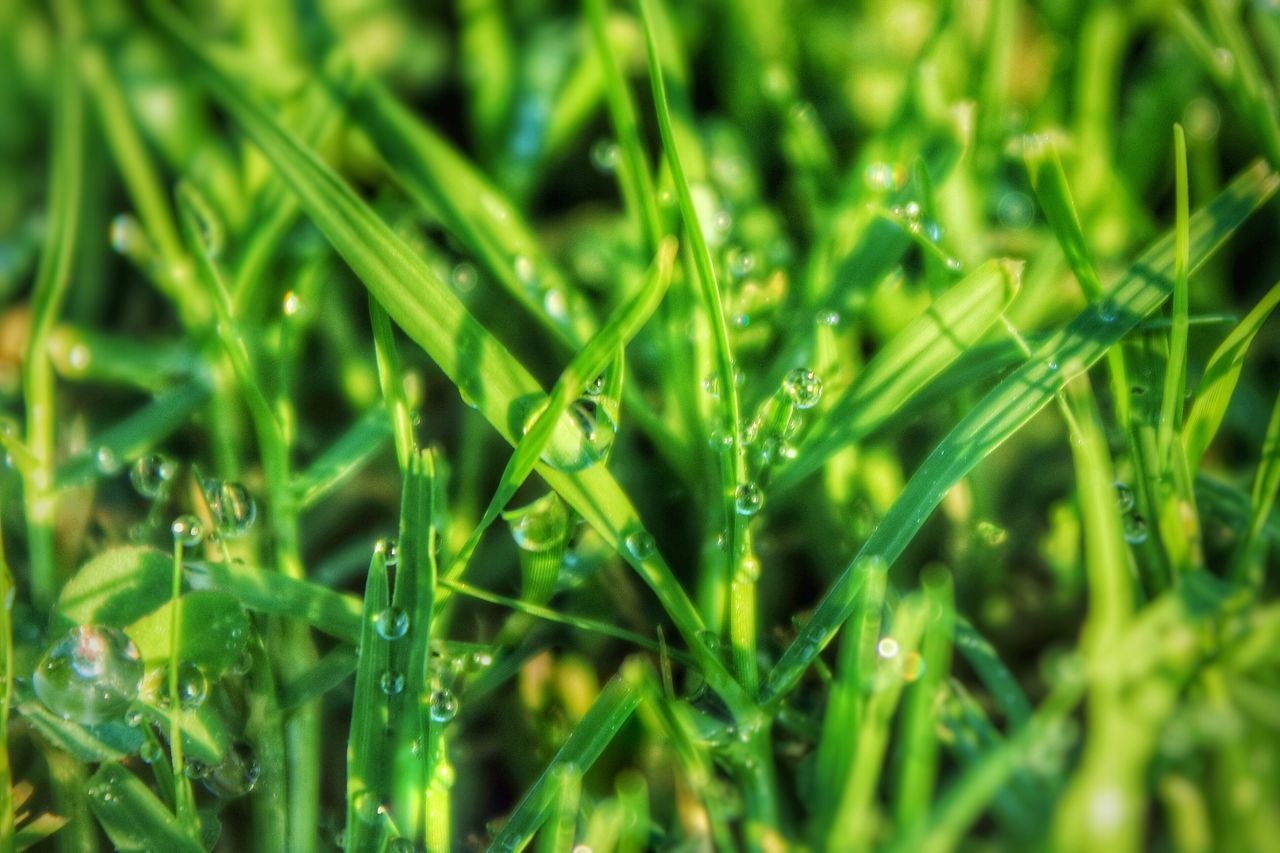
x=444 y=705
x=150 y=475
x=749 y=499
x=803 y=387
x=391 y=623
x=90 y=675
x=187 y=530
x=232 y=507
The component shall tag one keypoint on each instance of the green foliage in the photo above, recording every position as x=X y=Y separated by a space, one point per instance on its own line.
x=650 y=349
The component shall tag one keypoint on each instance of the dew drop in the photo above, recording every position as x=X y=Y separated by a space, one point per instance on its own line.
x=540 y=526
x=829 y=318
x=391 y=682
x=711 y=384
x=584 y=436
x=749 y=499
x=1015 y=211
x=367 y=806
x=887 y=648
x=596 y=386
x=464 y=277
x=1124 y=496
x=954 y=265
x=150 y=475
x=803 y=387
x=187 y=530
x=193 y=686
x=150 y=752
x=107 y=461
x=444 y=705
x=741 y=262
x=391 y=623
x=605 y=155
x=90 y=675
x=292 y=304
x=640 y=544
x=232 y=507
x=525 y=271
x=710 y=639
x=1135 y=529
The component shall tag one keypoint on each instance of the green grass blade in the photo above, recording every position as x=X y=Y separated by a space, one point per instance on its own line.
x=135 y=435
x=132 y=816
x=1050 y=184
x=849 y=694
x=1219 y=381
x=733 y=470
x=1011 y=404
x=334 y=613
x=344 y=458
x=918 y=747
x=1175 y=379
x=485 y=373
x=368 y=772
x=391 y=378
x=584 y=368
x=610 y=711
x=1249 y=562
x=915 y=356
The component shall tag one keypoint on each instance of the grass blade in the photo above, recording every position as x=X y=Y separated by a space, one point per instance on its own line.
x=368 y=773
x=612 y=709
x=425 y=308
x=264 y=591
x=915 y=356
x=1219 y=381
x=132 y=816
x=1011 y=404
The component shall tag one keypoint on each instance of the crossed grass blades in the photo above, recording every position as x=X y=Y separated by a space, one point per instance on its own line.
x=859 y=490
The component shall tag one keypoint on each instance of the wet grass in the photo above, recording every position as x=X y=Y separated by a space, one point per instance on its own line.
x=654 y=426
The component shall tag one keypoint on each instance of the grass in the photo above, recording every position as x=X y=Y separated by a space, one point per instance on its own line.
x=638 y=425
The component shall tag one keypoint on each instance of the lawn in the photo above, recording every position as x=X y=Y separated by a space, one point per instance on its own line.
x=639 y=425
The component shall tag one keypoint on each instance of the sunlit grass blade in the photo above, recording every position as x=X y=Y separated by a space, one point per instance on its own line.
x=369 y=775
x=1220 y=378
x=391 y=378
x=1175 y=380
x=581 y=371
x=1249 y=563
x=132 y=816
x=854 y=820
x=610 y=711
x=917 y=749
x=915 y=356
x=484 y=372
x=1011 y=404
x=733 y=470
x=849 y=694
x=334 y=613
x=84 y=354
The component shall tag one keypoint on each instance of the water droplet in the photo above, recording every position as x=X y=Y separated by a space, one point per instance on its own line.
x=1015 y=211
x=107 y=461
x=720 y=440
x=1107 y=311
x=187 y=530
x=583 y=438
x=391 y=682
x=400 y=845
x=525 y=271
x=710 y=639
x=150 y=752
x=1225 y=61
x=1135 y=529
x=193 y=686
x=444 y=705
x=829 y=318
x=596 y=386
x=481 y=660
x=932 y=230
x=1124 y=496
x=391 y=623
x=881 y=177
x=741 y=262
x=367 y=806
x=127 y=237
x=803 y=387
x=605 y=155
x=445 y=775
x=991 y=533
x=292 y=304
x=954 y=265
x=540 y=526
x=748 y=569
x=741 y=320
x=90 y=675
x=231 y=506
x=640 y=544
x=150 y=475
x=887 y=648
x=749 y=499
x=133 y=718
x=711 y=384
x=464 y=277
x=389 y=550
x=236 y=776
x=78 y=358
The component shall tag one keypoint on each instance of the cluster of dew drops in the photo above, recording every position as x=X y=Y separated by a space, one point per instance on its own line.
x=95 y=674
